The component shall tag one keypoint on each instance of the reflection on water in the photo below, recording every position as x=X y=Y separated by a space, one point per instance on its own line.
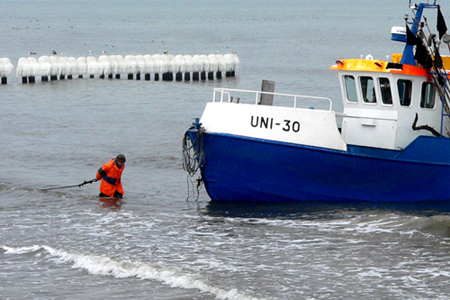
x=111 y=203
x=322 y=209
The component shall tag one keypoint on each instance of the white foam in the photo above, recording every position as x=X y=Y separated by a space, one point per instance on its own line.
x=104 y=64
x=230 y=62
x=180 y=63
x=214 y=62
x=21 y=250
x=122 y=64
x=206 y=64
x=167 y=66
x=56 y=66
x=123 y=268
x=130 y=64
x=34 y=66
x=158 y=63
x=93 y=67
x=140 y=61
x=149 y=64
x=6 y=67
x=23 y=68
x=222 y=62
x=188 y=62
x=197 y=63
x=173 y=65
x=81 y=65
x=114 y=64
x=66 y=67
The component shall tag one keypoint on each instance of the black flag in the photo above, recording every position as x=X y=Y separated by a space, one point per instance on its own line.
x=422 y=56
x=440 y=26
x=438 y=59
x=411 y=39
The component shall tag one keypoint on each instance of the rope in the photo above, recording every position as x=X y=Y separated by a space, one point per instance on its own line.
x=71 y=186
x=193 y=159
x=437 y=78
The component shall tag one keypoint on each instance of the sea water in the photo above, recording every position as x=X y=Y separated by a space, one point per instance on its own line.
x=161 y=242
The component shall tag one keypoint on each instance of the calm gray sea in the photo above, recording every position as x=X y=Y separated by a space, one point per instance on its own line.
x=66 y=244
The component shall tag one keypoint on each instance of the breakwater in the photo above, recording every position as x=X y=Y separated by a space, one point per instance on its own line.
x=164 y=67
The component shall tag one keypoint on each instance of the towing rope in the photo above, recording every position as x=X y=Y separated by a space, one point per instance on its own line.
x=193 y=159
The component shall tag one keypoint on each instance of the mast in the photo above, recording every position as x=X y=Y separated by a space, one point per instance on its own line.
x=427 y=51
x=417 y=9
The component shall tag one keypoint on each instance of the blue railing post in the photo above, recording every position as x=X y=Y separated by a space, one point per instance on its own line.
x=443 y=104
x=197 y=123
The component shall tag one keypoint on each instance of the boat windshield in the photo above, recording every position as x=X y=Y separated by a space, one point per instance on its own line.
x=350 y=88
x=368 y=89
x=428 y=95
x=386 y=94
x=404 y=92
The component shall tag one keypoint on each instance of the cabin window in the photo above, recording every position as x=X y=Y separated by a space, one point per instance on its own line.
x=428 y=95
x=404 y=92
x=368 y=89
x=350 y=88
x=386 y=94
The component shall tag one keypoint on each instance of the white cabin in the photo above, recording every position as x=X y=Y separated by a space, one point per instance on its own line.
x=381 y=101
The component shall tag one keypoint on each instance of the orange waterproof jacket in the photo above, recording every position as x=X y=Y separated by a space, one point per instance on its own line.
x=111 y=178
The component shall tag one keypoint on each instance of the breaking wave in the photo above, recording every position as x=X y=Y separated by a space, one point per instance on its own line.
x=438 y=225
x=122 y=268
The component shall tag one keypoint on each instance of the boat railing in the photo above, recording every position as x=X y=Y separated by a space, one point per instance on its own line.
x=268 y=98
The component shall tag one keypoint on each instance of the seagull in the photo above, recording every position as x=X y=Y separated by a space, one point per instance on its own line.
x=165 y=52
x=104 y=52
x=32 y=53
x=91 y=52
x=54 y=52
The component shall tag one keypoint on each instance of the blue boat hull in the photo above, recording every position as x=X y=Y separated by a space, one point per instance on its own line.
x=245 y=169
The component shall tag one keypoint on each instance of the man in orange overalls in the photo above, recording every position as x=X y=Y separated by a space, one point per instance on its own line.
x=110 y=174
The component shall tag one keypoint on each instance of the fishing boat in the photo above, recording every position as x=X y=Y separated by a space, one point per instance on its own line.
x=389 y=144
